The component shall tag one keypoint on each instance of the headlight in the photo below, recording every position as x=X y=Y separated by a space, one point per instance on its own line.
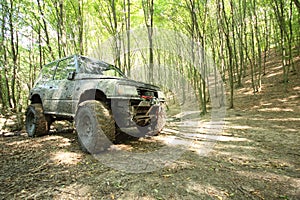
x=126 y=90
x=161 y=95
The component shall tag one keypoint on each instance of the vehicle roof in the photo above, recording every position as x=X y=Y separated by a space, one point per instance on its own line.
x=78 y=55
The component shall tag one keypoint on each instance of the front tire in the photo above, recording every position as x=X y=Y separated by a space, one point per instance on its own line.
x=95 y=126
x=36 y=122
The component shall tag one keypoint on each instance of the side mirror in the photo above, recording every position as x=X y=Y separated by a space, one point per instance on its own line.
x=71 y=75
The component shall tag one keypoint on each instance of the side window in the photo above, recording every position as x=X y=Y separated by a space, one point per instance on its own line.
x=64 y=68
x=48 y=72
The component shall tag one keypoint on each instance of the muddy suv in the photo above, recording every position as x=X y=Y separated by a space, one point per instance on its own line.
x=98 y=97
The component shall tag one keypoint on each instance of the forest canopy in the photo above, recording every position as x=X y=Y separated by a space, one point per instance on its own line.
x=238 y=34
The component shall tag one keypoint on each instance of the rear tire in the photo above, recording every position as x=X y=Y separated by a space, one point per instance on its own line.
x=36 y=122
x=95 y=126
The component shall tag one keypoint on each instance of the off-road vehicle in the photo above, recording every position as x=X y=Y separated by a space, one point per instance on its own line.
x=98 y=97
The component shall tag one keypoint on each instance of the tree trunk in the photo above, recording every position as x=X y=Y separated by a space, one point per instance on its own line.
x=257 y=36
x=230 y=54
x=148 y=8
x=267 y=45
x=80 y=26
x=14 y=54
x=45 y=28
x=128 y=26
x=279 y=10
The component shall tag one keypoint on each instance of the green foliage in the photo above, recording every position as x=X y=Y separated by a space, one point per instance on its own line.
x=36 y=32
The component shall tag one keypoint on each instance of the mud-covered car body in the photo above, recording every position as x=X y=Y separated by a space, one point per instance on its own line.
x=63 y=84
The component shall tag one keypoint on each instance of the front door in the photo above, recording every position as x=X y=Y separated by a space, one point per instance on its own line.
x=62 y=88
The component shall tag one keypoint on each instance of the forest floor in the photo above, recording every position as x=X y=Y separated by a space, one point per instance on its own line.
x=256 y=156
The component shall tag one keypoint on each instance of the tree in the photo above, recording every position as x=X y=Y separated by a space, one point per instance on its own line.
x=239 y=34
x=148 y=8
x=225 y=29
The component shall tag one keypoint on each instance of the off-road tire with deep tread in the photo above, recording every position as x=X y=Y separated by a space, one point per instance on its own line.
x=36 y=122
x=95 y=126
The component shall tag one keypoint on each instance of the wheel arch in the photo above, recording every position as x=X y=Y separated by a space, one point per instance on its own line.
x=93 y=94
x=36 y=99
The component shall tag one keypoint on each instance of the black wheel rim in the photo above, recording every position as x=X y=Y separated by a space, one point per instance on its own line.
x=85 y=127
x=30 y=123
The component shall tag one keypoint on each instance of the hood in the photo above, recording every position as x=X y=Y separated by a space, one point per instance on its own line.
x=118 y=80
x=96 y=76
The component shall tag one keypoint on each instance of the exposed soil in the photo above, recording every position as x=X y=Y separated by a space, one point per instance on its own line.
x=257 y=156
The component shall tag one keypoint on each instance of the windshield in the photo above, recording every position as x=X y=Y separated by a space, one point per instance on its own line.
x=46 y=74
x=90 y=66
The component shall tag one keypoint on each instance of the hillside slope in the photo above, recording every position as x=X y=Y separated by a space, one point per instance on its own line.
x=255 y=157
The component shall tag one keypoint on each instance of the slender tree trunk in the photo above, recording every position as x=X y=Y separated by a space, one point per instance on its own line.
x=267 y=45
x=204 y=74
x=240 y=29
x=59 y=8
x=45 y=28
x=221 y=49
x=230 y=54
x=6 y=97
x=245 y=35
x=233 y=25
x=280 y=14
x=116 y=35
x=40 y=48
x=252 y=59
x=14 y=54
x=2 y=51
x=80 y=26
x=259 y=55
x=128 y=26
x=148 y=7
x=290 y=38
x=1 y=94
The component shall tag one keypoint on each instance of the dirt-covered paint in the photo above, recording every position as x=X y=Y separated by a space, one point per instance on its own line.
x=64 y=84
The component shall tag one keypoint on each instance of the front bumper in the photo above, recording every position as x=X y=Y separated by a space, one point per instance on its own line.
x=135 y=112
